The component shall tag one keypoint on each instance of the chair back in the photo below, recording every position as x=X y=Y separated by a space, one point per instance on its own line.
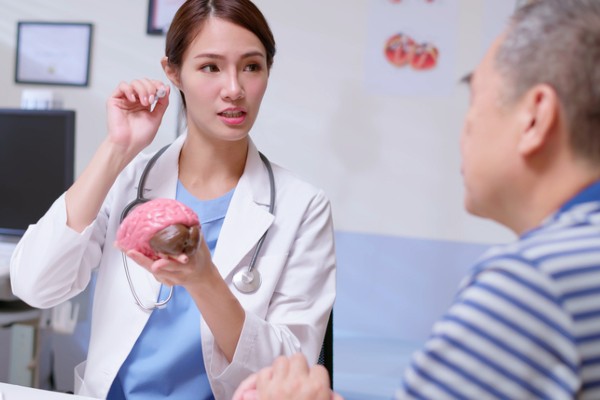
x=326 y=356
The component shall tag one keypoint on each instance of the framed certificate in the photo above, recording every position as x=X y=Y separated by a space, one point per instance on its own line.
x=53 y=53
x=160 y=15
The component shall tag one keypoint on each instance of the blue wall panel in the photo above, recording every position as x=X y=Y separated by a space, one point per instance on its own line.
x=390 y=292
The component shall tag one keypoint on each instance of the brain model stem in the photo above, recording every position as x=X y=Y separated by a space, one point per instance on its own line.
x=176 y=239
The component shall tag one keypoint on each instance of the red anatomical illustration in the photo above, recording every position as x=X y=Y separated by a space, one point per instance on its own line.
x=399 y=49
x=425 y=57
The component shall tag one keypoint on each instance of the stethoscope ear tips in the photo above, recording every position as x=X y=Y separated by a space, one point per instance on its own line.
x=247 y=281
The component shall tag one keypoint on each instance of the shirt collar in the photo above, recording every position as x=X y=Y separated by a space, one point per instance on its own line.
x=588 y=194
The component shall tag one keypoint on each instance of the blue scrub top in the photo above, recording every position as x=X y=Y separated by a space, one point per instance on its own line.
x=166 y=360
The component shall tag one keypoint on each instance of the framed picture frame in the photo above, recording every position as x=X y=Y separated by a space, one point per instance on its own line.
x=160 y=15
x=53 y=53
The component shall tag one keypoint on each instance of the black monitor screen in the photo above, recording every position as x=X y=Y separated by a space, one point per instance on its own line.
x=36 y=164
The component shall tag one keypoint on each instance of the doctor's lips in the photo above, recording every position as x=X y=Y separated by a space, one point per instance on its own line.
x=402 y=50
x=233 y=115
x=164 y=226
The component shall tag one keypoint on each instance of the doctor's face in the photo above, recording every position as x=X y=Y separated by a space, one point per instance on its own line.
x=488 y=141
x=224 y=77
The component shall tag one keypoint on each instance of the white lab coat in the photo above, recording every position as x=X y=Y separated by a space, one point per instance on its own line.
x=289 y=312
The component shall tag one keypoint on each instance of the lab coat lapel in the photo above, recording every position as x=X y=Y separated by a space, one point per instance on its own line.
x=248 y=217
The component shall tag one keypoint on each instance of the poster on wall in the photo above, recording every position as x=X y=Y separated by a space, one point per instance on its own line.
x=411 y=47
x=53 y=53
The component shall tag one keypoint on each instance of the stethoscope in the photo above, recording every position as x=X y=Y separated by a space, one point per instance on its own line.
x=247 y=280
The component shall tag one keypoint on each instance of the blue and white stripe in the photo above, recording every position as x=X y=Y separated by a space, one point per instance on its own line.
x=525 y=323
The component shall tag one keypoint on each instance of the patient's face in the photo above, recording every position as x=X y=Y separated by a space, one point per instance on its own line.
x=488 y=146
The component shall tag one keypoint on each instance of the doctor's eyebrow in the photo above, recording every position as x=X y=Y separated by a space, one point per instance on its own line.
x=222 y=57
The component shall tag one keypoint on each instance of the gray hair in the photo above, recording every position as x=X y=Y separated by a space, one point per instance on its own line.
x=557 y=42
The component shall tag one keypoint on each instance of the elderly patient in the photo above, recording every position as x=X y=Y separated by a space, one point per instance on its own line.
x=526 y=320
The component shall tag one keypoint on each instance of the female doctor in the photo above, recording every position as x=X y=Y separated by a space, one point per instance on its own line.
x=210 y=335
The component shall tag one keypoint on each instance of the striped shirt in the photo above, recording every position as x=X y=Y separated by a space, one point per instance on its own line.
x=525 y=323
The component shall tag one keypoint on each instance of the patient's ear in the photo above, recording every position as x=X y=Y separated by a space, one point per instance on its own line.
x=171 y=72
x=539 y=110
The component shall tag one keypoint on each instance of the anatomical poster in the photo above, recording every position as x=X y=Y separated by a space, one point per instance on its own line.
x=411 y=47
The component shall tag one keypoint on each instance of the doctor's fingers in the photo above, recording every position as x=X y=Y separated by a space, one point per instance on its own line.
x=169 y=278
x=143 y=91
x=139 y=258
x=162 y=265
x=174 y=274
x=164 y=261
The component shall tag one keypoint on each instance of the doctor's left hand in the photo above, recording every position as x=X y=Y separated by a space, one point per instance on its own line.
x=179 y=270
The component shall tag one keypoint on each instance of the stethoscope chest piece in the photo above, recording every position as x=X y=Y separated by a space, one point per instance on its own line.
x=247 y=281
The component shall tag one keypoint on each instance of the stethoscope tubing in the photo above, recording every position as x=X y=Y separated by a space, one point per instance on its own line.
x=139 y=199
x=271 y=209
x=158 y=304
x=246 y=281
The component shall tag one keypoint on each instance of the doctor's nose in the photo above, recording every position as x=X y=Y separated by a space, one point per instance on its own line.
x=232 y=88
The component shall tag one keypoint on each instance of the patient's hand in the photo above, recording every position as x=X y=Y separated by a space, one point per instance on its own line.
x=288 y=378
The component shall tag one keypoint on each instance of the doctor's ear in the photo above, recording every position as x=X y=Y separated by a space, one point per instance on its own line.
x=171 y=72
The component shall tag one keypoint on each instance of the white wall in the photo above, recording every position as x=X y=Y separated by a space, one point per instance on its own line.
x=318 y=118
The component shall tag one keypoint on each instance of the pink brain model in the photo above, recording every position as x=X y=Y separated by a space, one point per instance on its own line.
x=160 y=226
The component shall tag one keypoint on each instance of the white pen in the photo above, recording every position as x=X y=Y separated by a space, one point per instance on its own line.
x=160 y=93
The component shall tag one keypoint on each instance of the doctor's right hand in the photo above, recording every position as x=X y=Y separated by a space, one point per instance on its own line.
x=132 y=119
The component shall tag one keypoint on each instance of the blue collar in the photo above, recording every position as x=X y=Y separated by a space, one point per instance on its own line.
x=588 y=194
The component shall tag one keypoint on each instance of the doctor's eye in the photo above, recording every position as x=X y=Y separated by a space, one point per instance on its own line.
x=254 y=67
x=209 y=68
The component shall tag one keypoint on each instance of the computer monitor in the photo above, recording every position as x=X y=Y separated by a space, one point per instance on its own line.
x=37 y=152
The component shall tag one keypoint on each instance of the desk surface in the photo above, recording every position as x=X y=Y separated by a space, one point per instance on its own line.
x=15 y=392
